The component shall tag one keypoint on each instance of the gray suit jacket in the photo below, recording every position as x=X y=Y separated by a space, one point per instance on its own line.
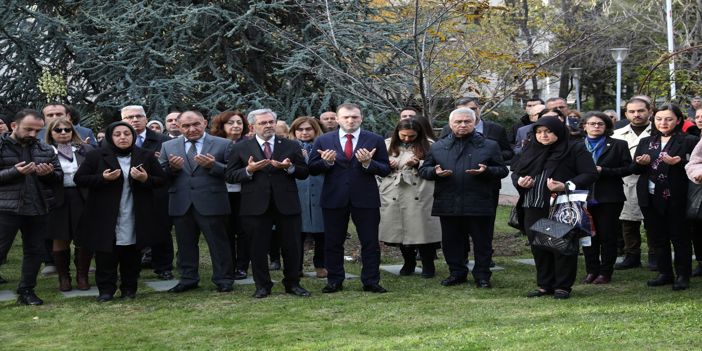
x=201 y=187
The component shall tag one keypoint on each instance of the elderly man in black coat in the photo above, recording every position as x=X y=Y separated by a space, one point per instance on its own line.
x=464 y=167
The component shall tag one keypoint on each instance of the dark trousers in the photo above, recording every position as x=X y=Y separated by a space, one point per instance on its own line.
x=214 y=229
x=631 y=231
x=33 y=229
x=318 y=258
x=238 y=239
x=260 y=228
x=696 y=238
x=455 y=232
x=125 y=258
x=602 y=254
x=336 y=223
x=553 y=271
x=664 y=229
x=274 y=251
x=162 y=254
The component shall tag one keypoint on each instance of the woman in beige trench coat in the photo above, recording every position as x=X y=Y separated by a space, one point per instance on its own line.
x=406 y=200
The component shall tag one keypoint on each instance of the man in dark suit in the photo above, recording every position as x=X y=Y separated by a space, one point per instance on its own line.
x=195 y=163
x=266 y=167
x=350 y=158
x=158 y=256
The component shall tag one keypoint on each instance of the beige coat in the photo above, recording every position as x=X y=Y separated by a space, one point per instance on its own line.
x=405 y=205
x=631 y=210
x=694 y=165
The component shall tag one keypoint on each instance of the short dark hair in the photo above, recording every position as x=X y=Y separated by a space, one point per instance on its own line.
x=348 y=106
x=536 y=99
x=74 y=113
x=678 y=115
x=466 y=100
x=609 y=125
x=633 y=100
x=556 y=98
x=22 y=114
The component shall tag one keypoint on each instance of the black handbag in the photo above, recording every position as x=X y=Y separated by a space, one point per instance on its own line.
x=555 y=237
x=514 y=220
x=694 y=202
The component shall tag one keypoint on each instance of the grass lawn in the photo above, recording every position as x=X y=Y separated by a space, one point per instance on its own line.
x=417 y=314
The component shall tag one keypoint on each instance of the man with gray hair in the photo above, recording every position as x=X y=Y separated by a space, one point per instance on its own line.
x=465 y=166
x=195 y=163
x=266 y=166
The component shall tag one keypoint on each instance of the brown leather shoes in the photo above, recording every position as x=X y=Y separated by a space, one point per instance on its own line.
x=602 y=279
x=589 y=278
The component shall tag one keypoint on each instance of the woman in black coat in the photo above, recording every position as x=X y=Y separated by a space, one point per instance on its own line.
x=662 y=191
x=118 y=218
x=606 y=199
x=550 y=163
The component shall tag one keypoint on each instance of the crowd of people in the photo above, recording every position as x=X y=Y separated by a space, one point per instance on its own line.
x=259 y=190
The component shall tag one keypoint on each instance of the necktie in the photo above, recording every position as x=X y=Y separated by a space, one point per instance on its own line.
x=192 y=152
x=267 y=150
x=140 y=141
x=348 y=148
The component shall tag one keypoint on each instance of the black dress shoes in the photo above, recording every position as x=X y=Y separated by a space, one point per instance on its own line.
x=660 y=280
x=223 y=288
x=452 y=280
x=28 y=297
x=332 y=288
x=560 y=294
x=165 y=275
x=697 y=272
x=297 y=291
x=128 y=295
x=589 y=278
x=179 y=288
x=104 y=298
x=261 y=293
x=681 y=283
x=240 y=274
x=539 y=292
x=483 y=284
x=374 y=288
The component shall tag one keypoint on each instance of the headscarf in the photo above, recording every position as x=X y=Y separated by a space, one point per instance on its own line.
x=536 y=156
x=110 y=144
x=148 y=125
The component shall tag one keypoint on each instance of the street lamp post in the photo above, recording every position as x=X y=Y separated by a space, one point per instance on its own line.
x=575 y=74
x=619 y=55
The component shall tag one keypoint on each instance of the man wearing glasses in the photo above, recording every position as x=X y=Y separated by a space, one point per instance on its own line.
x=159 y=256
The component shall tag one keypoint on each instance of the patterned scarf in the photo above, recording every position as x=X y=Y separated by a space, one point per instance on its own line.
x=65 y=151
x=659 y=169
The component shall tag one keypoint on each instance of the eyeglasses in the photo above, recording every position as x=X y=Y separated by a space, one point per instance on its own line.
x=264 y=123
x=133 y=117
x=62 y=130
x=595 y=124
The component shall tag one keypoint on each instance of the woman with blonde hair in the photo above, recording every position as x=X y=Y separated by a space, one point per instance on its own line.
x=70 y=201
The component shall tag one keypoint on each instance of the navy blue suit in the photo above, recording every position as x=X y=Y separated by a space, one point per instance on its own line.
x=351 y=191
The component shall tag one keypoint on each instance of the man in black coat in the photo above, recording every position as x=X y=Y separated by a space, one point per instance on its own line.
x=464 y=166
x=267 y=166
x=159 y=256
x=28 y=171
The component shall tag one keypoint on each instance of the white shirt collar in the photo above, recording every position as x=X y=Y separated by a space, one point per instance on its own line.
x=261 y=141
x=342 y=134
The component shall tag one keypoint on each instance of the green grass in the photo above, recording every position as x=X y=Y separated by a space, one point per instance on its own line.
x=417 y=314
